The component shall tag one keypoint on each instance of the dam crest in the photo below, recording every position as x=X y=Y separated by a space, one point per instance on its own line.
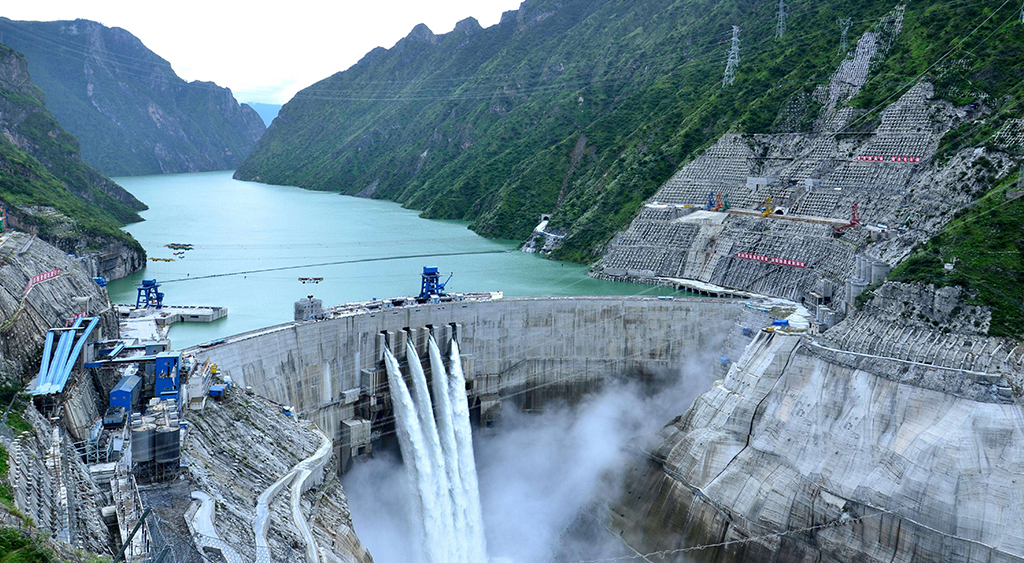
x=528 y=350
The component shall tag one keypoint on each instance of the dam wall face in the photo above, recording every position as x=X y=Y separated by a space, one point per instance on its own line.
x=527 y=350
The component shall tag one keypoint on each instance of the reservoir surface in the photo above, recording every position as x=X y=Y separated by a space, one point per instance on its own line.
x=257 y=240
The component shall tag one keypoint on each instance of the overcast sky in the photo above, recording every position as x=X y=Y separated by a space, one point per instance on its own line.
x=264 y=54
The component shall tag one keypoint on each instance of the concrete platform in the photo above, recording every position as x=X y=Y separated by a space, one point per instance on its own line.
x=170 y=314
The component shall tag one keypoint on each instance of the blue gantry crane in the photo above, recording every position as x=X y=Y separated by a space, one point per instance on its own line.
x=149 y=295
x=431 y=285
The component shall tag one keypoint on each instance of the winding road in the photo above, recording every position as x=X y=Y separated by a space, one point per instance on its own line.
x=206 y=531
x=299 y=476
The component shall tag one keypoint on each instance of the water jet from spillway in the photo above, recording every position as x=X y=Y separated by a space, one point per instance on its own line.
x=437 y=450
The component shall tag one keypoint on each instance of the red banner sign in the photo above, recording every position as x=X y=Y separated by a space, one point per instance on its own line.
x=771 y=259
x=880 y=158
x=41 y=278
x=72 y=320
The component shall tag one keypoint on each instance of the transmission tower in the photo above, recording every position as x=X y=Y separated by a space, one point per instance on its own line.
x=734 y=58
x=844 y=24
x=780 y=28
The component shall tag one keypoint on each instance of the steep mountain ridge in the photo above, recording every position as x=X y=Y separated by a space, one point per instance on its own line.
x=131 y=112
x=579 y=109
x=583 y=109
x=46 y=187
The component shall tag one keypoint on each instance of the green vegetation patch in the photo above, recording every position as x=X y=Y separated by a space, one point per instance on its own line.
x=969 y=50
x=987 y=242
x=24 y=181
x=18 y=547
x=6 y=494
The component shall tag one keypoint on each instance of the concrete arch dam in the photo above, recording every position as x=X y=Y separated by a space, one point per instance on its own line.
x=528 y=350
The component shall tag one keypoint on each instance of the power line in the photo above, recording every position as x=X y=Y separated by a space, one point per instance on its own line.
x=335 y=263
x=780 y=26
x=920 y=75
x=844 y=25
x=734 y=58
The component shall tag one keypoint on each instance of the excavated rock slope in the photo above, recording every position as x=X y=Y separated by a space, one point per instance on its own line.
x=27 y=316
x=797 y=457
x=813 y=180
x=239 y=447
x=889 y=166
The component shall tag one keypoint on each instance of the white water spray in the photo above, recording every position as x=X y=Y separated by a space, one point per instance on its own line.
x=437 y=476
x=439 y=385
x=430 y=534
x=438 y=455
x=466 y=458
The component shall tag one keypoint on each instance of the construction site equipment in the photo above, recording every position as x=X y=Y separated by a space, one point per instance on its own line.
x=768 y=209
x=126 y=393
x=431 y=285
x=113 y=417
x=120 y=552
x=307 y=309
x=149 y=295
x=718 y=202
x=854 y=221
x=54 y=371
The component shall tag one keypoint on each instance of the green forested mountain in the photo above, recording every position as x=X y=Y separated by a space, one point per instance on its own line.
x=44 y=183
x=582 y=108
x=131 y=112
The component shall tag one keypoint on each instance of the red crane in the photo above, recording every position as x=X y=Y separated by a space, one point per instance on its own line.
x=854 y=221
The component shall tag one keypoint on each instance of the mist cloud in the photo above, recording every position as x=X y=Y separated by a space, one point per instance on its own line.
x=541 y=474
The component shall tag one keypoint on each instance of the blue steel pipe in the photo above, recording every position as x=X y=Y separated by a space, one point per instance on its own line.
x=58 y=358
x=47 y=352
x=65 y=372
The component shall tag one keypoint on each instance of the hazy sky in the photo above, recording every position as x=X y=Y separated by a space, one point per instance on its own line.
x=264 y=54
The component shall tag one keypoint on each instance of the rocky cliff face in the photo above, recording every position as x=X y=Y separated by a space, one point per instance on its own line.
x=801 y=454
x=48 y=190
x=126 y=105
x=238 y=448
x=27 y=316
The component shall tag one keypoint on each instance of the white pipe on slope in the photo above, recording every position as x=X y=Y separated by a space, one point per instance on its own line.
x=301 y=483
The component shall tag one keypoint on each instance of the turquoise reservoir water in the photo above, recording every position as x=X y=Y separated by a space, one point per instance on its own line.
x=243 y=226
